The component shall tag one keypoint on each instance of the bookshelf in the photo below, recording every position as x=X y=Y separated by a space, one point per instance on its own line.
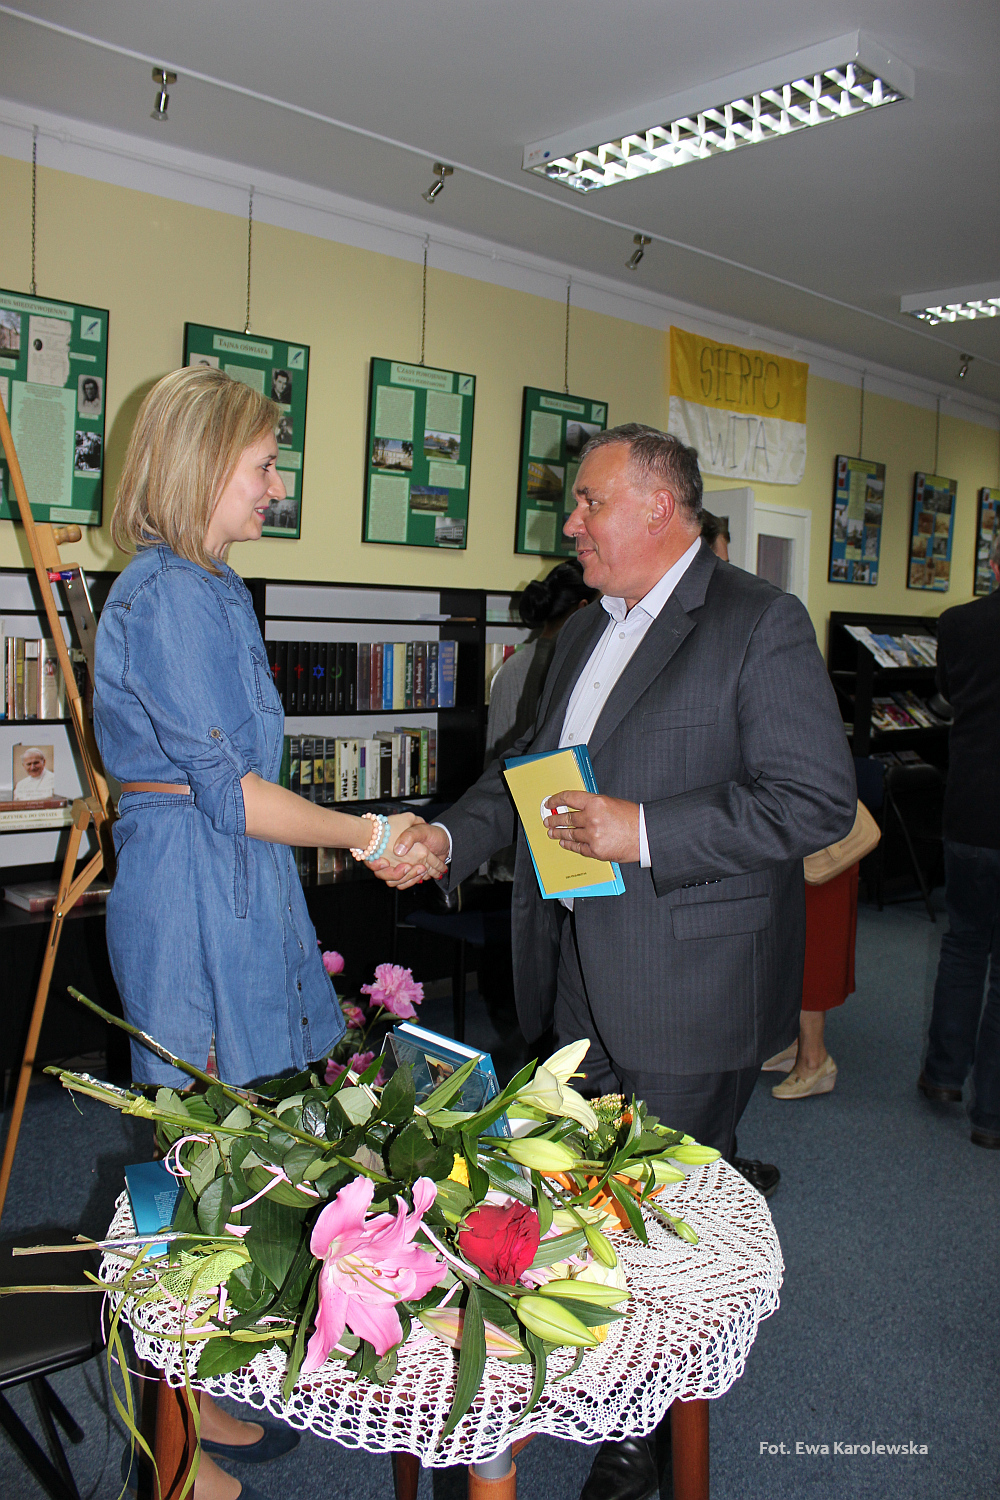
x=858 y=679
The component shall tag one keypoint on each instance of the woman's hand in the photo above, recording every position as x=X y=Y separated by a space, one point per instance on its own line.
x=418 y=863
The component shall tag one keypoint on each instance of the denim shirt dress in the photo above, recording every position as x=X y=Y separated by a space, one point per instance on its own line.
x=207 y=928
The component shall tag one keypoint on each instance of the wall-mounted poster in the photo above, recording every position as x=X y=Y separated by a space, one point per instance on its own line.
x=279 y=370
x=418 y=461
x=554 y=431
x=856 y=533
x=53 y=368
x=931 y=532
x=986 y=529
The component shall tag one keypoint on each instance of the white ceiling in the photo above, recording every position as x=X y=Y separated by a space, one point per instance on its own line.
x=862 y=212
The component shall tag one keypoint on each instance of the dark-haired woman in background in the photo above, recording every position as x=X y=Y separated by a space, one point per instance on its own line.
x=545 y=606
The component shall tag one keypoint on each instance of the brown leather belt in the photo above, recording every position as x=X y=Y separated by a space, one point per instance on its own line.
x=156 y=786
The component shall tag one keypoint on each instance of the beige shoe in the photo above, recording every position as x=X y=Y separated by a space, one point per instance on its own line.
x=781 y=1061
x=800 y=1085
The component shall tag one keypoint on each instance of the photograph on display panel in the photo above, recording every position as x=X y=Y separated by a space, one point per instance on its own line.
x=279 y=370
x=418 y=457
x=856 y=527
x=987 y=524
x=555 y=429
x=931 y=533
x=53 y=368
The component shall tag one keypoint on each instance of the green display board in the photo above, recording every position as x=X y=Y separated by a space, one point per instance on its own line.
x=931 y=532
x=277 y=369
x=554 y=431
x=53 y=369
x=418 y=460
x=856 y=535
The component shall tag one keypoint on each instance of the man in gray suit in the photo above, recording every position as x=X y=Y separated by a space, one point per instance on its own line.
x=722 y=761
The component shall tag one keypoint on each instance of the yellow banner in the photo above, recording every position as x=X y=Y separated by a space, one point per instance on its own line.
x=747 y=381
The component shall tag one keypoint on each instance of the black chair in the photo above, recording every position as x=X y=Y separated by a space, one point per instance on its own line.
x=486 y=924
x=39 y=1335
x=907 y=798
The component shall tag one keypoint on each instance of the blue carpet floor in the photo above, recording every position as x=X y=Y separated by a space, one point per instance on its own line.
x=889 y=1326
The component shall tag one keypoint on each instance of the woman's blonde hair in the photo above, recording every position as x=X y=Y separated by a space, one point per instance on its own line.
x=187 y=440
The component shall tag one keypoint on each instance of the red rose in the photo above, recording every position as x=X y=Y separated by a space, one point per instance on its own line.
x=501 y=1241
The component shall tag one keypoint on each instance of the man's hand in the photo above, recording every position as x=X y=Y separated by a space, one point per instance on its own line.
x=598 y=827
x=419 y=853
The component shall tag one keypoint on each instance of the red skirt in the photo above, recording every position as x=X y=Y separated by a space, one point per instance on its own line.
x=831 y=928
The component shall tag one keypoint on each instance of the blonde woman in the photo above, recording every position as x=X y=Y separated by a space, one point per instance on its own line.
x=207 y=925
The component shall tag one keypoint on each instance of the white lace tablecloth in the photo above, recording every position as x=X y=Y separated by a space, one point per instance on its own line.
x=693 y=1316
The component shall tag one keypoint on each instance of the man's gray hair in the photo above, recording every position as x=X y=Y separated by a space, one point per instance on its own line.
x=657 y=456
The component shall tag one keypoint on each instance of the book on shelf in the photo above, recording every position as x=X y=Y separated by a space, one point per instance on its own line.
x=40 y=895
x=888 y=715
x=899 y=758
x=47 y=812
x=401 y=762
x=33 y=686
x=916 y=650
x=345 y=677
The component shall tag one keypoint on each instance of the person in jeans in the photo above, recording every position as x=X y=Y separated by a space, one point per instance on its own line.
x=964 y=1034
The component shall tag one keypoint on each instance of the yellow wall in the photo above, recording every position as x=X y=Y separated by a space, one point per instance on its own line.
x=156 y=263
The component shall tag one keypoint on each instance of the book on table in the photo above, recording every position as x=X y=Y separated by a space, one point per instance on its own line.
x=434 y=1058
x=561 y=873
x=152 y=1194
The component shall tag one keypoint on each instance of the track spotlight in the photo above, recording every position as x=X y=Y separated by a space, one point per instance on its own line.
x=640 y=241
x=163 y=79
x=440 y=172
x=963 y=366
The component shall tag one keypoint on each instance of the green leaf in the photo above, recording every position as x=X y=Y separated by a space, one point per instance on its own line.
x=589 y=1313
x=446 y=1091
x=314 y=1117
x=283 y=1192
x=538 y=1356
x=203 y=1164
x=284 y=1088
x=560 y=1247
x=274 y=1237
x=453 y=1199
x=398 y=1096
x=479 y=1183
x=185 y=1215
x=519 y=1080
x=573 y=1367
x=297 y=1352
x=297 y=1160
x=628 y=1203
x=372 y=1071
x=214 y=1207
x=411 y=1153
x=331 y=1179
x=223 y=1356
x=543 y=1205
x=385 y=1369
x=248 y=1289
x=471 y=1362
x=280 y=1141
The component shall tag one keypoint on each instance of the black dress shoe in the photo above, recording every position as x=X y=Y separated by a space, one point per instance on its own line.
x=760 y=1174
x=985 y=1138
x=623 y=1470
x=937 y=1093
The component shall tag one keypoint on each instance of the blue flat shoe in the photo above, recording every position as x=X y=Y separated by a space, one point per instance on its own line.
x=277 y=1440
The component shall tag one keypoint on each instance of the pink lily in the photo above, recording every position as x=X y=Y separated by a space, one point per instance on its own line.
x=368 y=1267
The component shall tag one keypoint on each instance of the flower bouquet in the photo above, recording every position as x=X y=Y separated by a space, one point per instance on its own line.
x=328 y=1217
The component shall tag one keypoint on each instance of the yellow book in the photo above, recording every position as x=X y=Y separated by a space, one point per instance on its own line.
x=533 y=778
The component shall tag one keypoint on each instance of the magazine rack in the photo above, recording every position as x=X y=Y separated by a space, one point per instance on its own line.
x=44 y=542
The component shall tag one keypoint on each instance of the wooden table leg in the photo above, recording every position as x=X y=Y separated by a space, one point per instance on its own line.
x=689 y=1437
x=405 y=1475
x=174 y=1442
x=494 y=1480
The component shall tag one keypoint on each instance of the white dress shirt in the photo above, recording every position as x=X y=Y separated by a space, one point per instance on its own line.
x=608 y=661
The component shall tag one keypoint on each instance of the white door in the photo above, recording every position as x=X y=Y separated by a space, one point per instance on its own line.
x=736 y=508
x=781 y=547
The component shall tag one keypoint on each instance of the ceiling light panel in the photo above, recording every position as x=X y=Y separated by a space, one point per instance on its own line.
x=955 y=305
x=830 y=81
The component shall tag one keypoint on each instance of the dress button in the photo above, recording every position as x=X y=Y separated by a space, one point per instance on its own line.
x=305 y=1020
x=597 y=684
x=298 y=985
x=572 y=736
x=621 y=635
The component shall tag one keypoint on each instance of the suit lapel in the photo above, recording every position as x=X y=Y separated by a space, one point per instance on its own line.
x=670 y=628
x=594 y=624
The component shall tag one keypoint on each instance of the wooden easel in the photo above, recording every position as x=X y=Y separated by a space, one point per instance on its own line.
x=44 y=542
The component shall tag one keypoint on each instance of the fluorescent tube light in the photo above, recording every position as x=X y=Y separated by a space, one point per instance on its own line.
x=955 y=304
x=829 y=81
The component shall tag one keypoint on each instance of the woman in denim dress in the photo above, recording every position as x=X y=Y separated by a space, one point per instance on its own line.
x=207 y=925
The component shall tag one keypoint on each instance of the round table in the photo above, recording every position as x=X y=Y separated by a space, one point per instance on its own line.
x=693 y=1315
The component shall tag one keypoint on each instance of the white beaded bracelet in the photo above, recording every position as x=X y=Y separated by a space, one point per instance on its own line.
x=380 y=827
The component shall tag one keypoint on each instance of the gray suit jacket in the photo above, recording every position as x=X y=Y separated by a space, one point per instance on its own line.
x=725 y=726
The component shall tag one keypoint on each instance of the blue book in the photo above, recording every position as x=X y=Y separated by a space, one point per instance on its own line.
x=153 y=1194
x=387 y=675
x=434 y=1058
x=560 y=872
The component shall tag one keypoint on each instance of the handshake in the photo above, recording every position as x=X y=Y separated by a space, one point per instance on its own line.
x=416 y=851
